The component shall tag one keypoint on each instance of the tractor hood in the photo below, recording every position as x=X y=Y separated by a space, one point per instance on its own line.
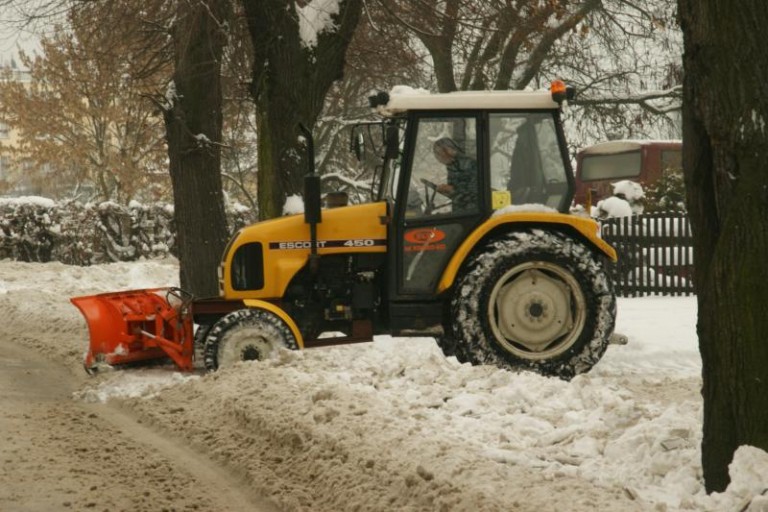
x=262 y=258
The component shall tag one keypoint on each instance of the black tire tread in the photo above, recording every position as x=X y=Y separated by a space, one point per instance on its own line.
x=243 y=318
x=472 y=331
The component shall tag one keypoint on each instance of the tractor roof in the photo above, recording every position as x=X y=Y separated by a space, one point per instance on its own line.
x=410 y=99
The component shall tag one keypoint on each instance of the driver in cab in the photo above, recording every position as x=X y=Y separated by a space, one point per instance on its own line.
x=461 y=184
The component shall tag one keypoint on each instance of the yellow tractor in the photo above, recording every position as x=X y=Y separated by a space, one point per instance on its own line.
x=468 y=240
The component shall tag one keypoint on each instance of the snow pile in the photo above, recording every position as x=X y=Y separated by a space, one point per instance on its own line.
x=394 y=425
x=612 y=207
x=293 y=204
x=626 y=201
x=138 y=383
x=524 y=208
x=749 y=481
x=629 y=190
x=407 y=90
x=42 y=202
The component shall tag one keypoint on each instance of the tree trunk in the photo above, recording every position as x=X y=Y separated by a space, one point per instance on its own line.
x=193 y=126
x=290 y=82
x=724 y=157
x=440 y=40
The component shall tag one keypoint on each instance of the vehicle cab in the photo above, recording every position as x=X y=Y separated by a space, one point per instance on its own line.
x=452 y=162
x=601 y=165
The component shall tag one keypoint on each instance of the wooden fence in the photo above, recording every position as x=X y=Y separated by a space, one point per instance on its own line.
x=655 y=254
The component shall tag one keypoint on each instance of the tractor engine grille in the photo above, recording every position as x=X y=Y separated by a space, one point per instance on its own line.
x=248 y=267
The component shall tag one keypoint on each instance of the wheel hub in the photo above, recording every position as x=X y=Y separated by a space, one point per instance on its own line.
x=536 y=309
x=533 y=310
x=247 y=344
x=250 y=353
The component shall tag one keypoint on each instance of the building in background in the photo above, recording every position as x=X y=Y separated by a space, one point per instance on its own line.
x=14 y=177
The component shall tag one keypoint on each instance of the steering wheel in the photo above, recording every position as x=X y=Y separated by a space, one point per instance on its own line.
x=430 y=190
x=429 y=184
x=434 y=187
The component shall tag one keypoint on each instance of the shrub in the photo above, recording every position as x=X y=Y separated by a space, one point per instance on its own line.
x=667 y=194
x=40 y=230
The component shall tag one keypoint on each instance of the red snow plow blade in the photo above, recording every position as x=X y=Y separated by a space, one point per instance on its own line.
x=138 y=325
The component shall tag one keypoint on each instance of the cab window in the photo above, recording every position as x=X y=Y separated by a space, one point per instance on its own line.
x=444 y=176
x=526 y=162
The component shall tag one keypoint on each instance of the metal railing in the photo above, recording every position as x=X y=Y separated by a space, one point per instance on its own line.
x=655 y=254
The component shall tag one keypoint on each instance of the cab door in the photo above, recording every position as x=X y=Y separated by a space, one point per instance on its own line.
x=442 y=186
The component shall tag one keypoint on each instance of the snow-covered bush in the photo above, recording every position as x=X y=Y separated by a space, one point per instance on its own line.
x=668 y=193
x=28 y=228
x=612 y=207
x=38 y=229
x=627 y=200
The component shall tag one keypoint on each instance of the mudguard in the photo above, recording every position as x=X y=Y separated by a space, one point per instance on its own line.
x=587 y=229
x=262 y=304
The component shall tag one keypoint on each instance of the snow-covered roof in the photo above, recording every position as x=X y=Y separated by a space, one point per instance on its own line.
x=620 y=146
x=410 y=99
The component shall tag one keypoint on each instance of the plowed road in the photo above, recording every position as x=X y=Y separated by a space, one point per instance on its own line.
x=60 y=454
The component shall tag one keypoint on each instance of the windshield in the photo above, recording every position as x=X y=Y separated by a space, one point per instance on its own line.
x=457 y=161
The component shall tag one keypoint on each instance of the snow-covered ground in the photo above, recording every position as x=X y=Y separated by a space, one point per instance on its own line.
x=393 y=425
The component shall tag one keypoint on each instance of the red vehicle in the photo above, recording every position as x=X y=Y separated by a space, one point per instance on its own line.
x=642 y=161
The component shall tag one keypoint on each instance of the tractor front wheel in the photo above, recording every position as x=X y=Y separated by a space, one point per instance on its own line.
x=535 y=300
x=246 y=335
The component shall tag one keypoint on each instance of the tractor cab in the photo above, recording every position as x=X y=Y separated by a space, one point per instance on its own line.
x=451 y=161
x=472 y=153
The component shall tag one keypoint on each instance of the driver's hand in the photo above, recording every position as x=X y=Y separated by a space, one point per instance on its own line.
x=445 y=188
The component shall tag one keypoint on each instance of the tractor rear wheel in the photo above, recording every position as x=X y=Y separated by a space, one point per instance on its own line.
x=450 y=347
x=535 y=300
x=246 y=335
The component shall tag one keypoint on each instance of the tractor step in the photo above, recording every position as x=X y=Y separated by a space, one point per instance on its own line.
x=138 y=325
x=618 y=339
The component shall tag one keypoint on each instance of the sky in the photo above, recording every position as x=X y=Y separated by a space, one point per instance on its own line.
x=12 y=39
x=394 y=425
